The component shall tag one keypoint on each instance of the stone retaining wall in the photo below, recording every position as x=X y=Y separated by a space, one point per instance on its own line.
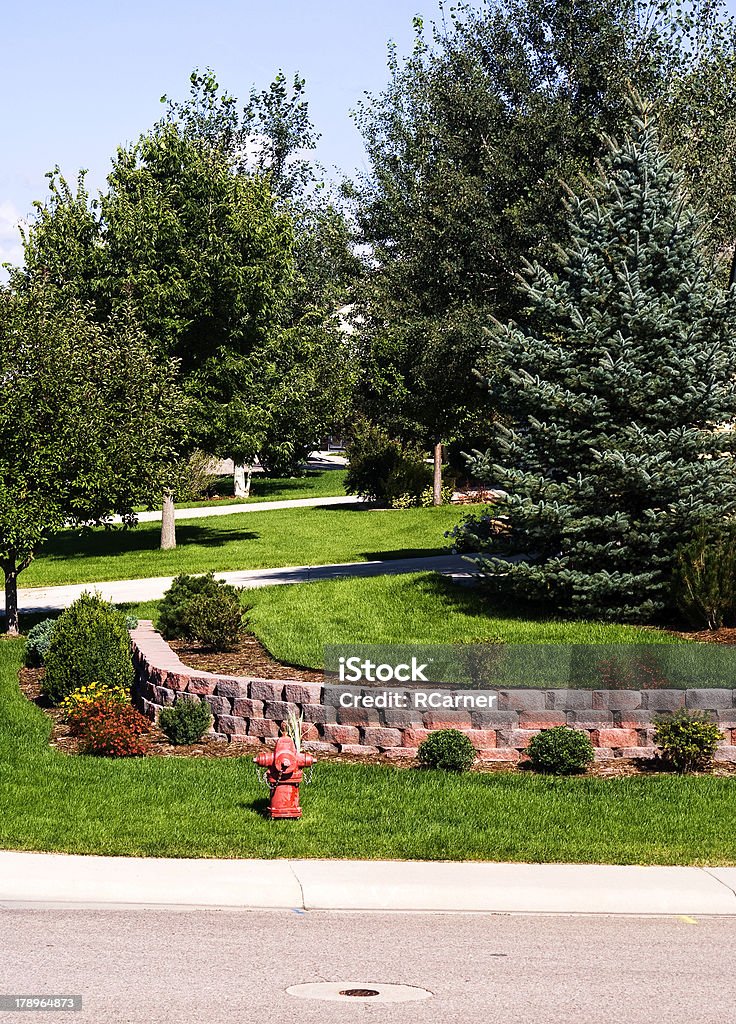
x=620 y=722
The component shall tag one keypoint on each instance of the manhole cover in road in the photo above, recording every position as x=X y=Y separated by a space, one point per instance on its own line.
x=356 y=992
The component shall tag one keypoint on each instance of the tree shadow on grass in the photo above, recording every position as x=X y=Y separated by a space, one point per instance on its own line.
x=396 y=553
x=476 y=602
x=118 y=541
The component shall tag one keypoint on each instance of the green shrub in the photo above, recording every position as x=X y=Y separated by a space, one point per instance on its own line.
x=688 y=740
x=560 y=751
x=704 y=580
x=215 y=620
x=37 y=642
x=383 y=468
x=173 y=610
x=185 y=722
x=203 y=609
x=89 y=643
x=449 y=749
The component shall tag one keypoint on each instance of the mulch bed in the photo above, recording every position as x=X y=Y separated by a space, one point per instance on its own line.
x=248 y=658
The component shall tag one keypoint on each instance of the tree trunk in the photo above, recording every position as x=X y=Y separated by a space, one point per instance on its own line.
x=437 y=482
x=168 y=522
x=11 y=600
x=241 y=480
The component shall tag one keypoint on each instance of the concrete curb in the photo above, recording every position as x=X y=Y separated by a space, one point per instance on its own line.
x=45 y=879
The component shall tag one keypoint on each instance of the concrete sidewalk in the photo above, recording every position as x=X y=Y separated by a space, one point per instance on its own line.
x=411 y=886
x=44 y=599
x=207 y=511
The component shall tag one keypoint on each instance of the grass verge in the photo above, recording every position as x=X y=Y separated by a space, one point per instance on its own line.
x=192 y=808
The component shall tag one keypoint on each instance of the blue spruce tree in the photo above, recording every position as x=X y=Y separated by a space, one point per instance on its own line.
x=618 y=392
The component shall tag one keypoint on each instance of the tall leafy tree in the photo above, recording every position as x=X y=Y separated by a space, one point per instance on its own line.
x=85 y=421
x=621 y=386
x=468 y=146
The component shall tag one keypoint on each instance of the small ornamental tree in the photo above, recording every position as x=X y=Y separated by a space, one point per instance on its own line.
x=84 y=418
x=618 y=392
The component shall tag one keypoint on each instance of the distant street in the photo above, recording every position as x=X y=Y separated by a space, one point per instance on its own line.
x=218 y=967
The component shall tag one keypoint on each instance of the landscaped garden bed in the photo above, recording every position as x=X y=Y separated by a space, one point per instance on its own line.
x=192 y=806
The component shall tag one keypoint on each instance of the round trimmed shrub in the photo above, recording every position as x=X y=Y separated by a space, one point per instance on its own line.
x=173 y=610
x=448 y=749
x=215 y=620
x=560 y=751
x=688 y=740
x=89 y=643
x=185 y=722
x=37 y=642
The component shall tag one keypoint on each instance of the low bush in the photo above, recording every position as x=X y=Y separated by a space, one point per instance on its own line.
x=110 y=729
x=704 y=580
x=203 y=609
x=89 y=642
x=86 y=695
x=383 y=468
x=185 y=722
x=687 y=740
x=560 y=751
x=37 y=642
x=174 y=608
x=449 y=749
x=216 y=620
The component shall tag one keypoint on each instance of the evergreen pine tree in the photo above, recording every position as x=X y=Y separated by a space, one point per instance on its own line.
x=620 y=386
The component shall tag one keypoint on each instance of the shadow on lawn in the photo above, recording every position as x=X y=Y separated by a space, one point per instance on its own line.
x=475 y=602
x=118 y=541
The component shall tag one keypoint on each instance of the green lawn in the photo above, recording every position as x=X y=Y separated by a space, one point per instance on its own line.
x=250 y=540
x=316 y=483
x=296 y=623
x=186 y=808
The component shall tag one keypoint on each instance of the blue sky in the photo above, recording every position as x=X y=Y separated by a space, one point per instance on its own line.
x=81 y=77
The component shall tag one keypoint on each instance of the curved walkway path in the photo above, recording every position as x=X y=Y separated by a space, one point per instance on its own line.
x=43 y=599
x=204 y=511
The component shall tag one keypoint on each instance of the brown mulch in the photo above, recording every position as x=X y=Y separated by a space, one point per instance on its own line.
x=248 y=658
x=708 y=636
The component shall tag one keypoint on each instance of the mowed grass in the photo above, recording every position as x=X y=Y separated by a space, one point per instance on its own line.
x=296 y=622
x=316 y=483
x=249 y=540
x=176 y=807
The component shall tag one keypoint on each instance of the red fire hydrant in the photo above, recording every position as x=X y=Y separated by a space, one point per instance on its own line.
x=284 y=774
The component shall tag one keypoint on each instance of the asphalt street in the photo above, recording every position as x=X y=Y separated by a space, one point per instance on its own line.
x=212 y=967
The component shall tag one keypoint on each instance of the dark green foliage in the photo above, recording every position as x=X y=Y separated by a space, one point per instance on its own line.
x=186 y=721
x=383 y=468
x=616 y=388
x=560 y=751
x=173 y=610
x=688 y=740
x=448 y=749
x=89 y=643
x=37 y=642
x=705 y=576
x=203 y=609
x=215 y=619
